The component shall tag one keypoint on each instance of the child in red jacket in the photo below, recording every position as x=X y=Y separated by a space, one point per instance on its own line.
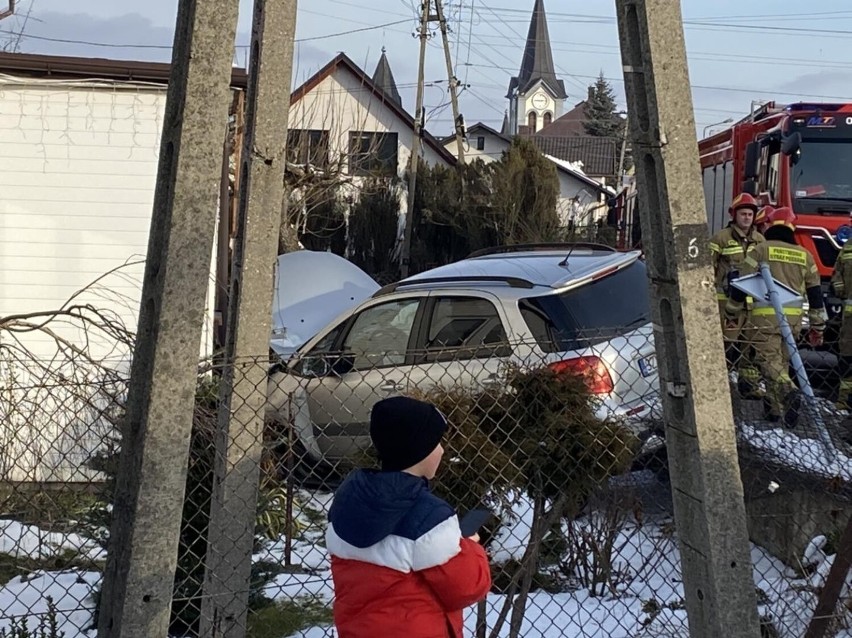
x=398 y=561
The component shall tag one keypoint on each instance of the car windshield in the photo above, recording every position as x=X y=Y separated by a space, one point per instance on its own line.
x=605 y=308
x=822 y=177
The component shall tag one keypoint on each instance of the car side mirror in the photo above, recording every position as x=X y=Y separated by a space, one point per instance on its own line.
x=312 y=367
x=791 y=144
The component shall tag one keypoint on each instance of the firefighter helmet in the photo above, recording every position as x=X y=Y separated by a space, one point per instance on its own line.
x=761 y=218
x=743 y=200
x=783 y=216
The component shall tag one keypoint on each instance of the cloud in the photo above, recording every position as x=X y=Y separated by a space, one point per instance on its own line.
x=834 y=83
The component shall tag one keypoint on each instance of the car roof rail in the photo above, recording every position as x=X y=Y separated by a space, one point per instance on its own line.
x=514 y=282
x=555 y=245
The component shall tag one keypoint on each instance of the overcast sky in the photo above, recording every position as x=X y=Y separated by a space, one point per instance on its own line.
x=739 y=51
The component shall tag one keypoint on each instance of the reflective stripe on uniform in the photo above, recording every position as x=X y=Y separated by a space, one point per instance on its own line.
x=788 y=256
x=715 y=248
x=721 y=296
x=846 y=255
x=769 y=310
x=732 y=250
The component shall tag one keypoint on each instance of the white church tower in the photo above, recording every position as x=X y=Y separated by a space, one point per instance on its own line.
x=536 y=96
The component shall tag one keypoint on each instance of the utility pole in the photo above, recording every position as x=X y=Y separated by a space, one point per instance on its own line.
x=139 y=576
x=423 y=33
x=420 y=120
x=620 y=175
x=700 y=436
x=452 y=81
x=239 y=440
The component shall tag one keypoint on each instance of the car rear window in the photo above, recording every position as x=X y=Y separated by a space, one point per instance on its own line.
x=590 y=314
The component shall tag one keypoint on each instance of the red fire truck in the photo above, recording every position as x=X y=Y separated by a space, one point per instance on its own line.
x=796 y=155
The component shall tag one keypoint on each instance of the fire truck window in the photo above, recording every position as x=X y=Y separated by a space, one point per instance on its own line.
x=772 y=173
x=769 y=158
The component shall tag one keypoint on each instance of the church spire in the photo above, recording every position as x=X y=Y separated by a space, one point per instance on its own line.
x=537 y=63
x=504 y=129
x=383 y=78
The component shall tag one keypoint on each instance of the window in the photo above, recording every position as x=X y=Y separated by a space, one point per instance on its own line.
x=379 y=335
x=548 y=118
x=772 y=167
x=590 y=314
x=307 y=146
x=373 y=153
x=464 y=328
x=532 y=120
x=480 y=143
x=823 y=171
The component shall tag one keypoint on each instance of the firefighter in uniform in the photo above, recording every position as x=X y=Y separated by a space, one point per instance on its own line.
x=841 y=282
x=793 y=266
x=761 y=216
x=729 y=248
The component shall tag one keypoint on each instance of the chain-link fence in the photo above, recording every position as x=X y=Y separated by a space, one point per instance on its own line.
x=563 y=441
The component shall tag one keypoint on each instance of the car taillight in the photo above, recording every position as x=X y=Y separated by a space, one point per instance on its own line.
x=594 y=370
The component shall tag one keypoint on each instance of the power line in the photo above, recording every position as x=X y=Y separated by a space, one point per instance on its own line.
x=725 y=88
x=168 y=46
x=704 y=56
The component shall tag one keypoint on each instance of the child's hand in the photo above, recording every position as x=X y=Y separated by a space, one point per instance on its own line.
x=474 y=538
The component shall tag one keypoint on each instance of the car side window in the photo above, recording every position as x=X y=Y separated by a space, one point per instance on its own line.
x=465 y=328
x=380 y=334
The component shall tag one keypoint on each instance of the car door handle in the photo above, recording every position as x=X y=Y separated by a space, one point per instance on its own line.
x=391 y=386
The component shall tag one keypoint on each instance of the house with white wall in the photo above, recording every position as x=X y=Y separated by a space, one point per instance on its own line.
x=79 y=154
x=344 y=117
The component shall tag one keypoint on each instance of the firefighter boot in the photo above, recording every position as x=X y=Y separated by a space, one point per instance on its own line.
x=778 y=400
x=792 y=407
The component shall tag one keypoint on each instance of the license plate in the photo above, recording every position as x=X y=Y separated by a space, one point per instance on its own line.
x=648 y=365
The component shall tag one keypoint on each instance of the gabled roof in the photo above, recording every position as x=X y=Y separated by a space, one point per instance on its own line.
x=599 y=155
x=478 y=129
x=579 y=175
x=568 y=125
x=504 y=128
x=343 y=61
x=383 y=78
x=537 y=63
x=479 y=126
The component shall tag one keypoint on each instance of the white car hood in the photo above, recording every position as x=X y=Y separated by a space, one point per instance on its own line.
x=311 y=289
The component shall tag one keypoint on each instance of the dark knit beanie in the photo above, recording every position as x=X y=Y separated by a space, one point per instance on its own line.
x=405 y=431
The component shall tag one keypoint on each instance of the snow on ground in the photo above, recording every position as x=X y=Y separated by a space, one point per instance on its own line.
x=25 y=598
x=803 y=454
x=28 y=541
x=645 y=556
